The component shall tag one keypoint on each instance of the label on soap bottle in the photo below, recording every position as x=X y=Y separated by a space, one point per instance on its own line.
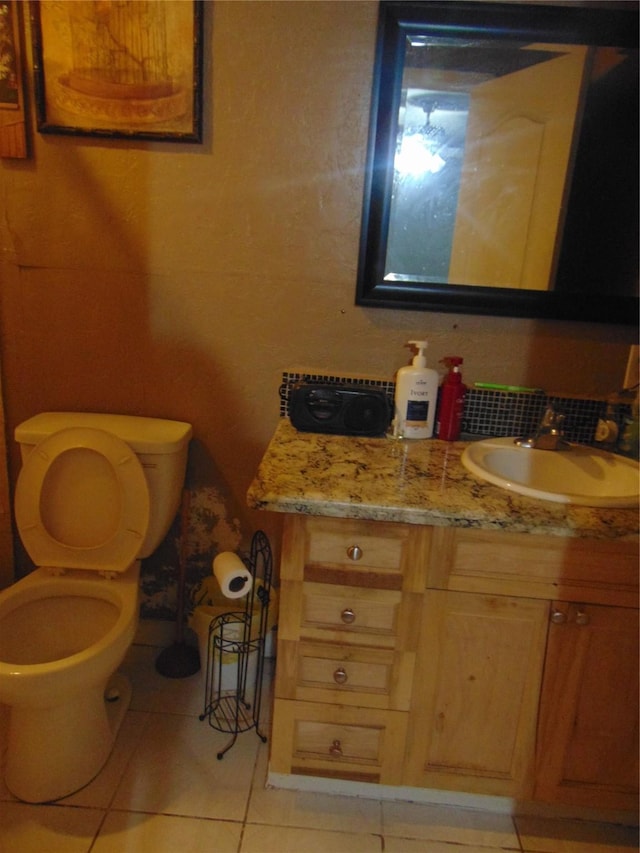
x=417 y=413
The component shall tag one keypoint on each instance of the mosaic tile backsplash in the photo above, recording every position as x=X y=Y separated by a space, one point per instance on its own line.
x=490 y=413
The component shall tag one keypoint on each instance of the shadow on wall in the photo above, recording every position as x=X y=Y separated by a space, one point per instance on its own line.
x=211 y=528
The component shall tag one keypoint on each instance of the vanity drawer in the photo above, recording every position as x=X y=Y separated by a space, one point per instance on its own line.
x=599 y=571
x=363 y=744
x=350 y=614
x=347 y=543
x=343 y=674
x=353 y=552
x=351 y=617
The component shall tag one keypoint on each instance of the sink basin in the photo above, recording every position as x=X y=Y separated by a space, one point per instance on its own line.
x=581 y=475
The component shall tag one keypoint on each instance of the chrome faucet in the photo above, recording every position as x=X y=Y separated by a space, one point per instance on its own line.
x=549 y=434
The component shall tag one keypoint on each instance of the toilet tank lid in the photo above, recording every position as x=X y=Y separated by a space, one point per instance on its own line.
x=143 y=435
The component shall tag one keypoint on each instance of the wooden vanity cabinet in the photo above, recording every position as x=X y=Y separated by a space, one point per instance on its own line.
x=468 y=660
x=351 y=596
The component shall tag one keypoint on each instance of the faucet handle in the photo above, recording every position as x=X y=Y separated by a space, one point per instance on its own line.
x=549 y=434
x=552 y=419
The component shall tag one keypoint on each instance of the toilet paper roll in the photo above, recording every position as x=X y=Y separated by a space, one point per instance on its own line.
x=232 y=575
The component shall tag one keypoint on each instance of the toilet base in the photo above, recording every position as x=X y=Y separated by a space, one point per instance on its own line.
x=53 y=752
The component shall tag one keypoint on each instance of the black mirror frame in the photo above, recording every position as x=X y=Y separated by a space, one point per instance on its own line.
x=616 y=25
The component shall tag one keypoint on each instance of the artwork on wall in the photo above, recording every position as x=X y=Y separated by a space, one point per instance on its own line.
x=128 y=69
x=13 y=137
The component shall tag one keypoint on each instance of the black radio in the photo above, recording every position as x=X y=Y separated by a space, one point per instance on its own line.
x=340 y=409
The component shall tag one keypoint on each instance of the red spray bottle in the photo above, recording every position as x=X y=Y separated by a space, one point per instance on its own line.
x=452 y=393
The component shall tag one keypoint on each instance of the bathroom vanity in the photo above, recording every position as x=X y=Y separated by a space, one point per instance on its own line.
x=438 y=632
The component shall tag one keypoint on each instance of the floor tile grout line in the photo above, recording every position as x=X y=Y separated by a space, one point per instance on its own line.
x=517 y=831
x=456 y=847
x=98 y=830
x=130 y=756
x=254 y=772
x=174 y=814
x=106 y=811
x=248 y=802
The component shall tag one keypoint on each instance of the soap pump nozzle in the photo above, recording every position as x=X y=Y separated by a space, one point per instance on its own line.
x=453 y=362
x=419 y=360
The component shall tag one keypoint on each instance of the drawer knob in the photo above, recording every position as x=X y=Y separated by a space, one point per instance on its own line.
x=336 y=749
x=582 y=618
x=558 y=617
x=340 y=676
x=348 y=616
x=354 y=552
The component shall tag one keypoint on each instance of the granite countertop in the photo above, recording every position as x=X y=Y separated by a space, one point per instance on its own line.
x=415 y=482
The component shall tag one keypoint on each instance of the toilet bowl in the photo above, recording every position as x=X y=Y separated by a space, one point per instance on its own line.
x=84 y=506
x=61 y=641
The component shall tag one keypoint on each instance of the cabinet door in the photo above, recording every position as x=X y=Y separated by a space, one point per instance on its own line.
x=588 y=735
x=474 y=709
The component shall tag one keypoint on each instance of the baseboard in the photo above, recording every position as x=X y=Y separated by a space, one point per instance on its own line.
x=456 y=799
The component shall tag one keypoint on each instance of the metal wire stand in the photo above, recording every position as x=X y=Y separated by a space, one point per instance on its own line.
x=235 y=654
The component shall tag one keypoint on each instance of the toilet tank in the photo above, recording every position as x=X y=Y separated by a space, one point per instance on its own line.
x=160 y=445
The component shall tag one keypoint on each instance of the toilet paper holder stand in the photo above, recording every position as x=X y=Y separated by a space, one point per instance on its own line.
x=236 y=652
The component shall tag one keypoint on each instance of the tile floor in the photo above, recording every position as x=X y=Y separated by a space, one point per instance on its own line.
x=163 y=790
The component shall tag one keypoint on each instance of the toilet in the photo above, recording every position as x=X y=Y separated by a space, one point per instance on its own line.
x=96 y=493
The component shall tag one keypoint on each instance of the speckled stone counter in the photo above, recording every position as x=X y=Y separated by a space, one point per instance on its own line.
x=415 y=482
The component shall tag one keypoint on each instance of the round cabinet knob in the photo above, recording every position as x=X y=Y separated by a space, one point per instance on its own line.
x=354 y=552
x=558 y=617
x=336 y=749
x=582 y=618
x=348 y=616
x=340 y=676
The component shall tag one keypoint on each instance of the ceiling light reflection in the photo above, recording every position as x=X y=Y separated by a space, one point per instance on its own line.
x=415 y=157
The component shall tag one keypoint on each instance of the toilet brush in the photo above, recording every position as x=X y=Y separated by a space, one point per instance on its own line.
x=180 y=660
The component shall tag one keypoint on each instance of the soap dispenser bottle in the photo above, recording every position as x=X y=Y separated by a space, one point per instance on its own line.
x=451 y=405
x=416 y=396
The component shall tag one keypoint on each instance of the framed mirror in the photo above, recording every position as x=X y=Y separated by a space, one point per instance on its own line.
x=502 y=172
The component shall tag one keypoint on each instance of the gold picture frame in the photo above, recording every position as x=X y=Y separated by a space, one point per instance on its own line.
x=123 y=69
x=13 y=135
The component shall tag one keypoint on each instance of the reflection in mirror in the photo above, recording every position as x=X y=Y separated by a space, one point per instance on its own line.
x=481 y=174
x=485 y=154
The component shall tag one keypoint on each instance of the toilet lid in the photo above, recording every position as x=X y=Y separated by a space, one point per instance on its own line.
x=64 y=519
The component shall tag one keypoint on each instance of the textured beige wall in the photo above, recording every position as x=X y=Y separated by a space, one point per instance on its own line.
x=179 y=281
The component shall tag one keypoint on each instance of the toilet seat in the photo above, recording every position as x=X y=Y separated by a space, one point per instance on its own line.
x=62 y=522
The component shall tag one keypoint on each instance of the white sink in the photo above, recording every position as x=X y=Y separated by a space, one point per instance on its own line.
x=581 y=475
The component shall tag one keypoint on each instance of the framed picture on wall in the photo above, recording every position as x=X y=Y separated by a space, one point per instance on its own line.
x=13 y=137
x=130 y=69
